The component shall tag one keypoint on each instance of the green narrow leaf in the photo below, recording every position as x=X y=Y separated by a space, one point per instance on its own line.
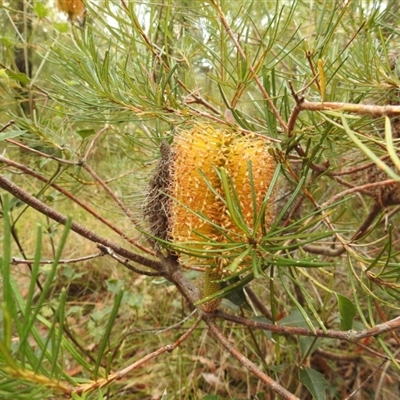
x=314 y=381
x=299 y=307
x=239 y=259
x=347 y=312
x=34 y=275
x=60 y=318
x=107 y=333
x=267 y=201
x=70 y=348
x=10 y=134
x=4 y=346
x=7 y=327
x=232 y=203
x=5 y=270
x=253 y=193
x=18 y=76
x=61 y=27
x=47 y=285
x=366 y=149
x=389 y=143
x=8 y=297
x=293 y=197
x=256 y=265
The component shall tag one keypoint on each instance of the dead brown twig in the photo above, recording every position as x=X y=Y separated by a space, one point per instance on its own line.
x=120 y=374
x=50 y=212
x=23 y=168
x=263 y=377
x=349 y=336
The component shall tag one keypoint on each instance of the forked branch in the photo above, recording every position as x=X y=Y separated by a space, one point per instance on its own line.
x=53 y=214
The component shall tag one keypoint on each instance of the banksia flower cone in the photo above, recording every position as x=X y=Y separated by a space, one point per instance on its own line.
x=197 y=212
x=217 y=183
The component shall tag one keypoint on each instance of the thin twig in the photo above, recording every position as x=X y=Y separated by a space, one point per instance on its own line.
x=352 y=394
x=296 y=110
x=125 y=262
x=41 y=154
x=258 y=303
x=93 y=141
x=76 y=200
x=120 y=374
x=243 y=360
x=168 y=328
x=356 y=189
x=16 y=261
x=314 y=73
x=9 y=123
x=360 y=109
x=50 y=212
x=350 y=336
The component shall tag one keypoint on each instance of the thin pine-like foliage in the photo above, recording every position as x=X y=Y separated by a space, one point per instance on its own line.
x=132 y=269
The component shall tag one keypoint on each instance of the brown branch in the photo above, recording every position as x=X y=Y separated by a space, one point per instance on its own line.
x=120 y=374
x=356 y=189
x=336 y=356
x=249 y=365
x=40 y=153
x=76 y=200
x=125 y=263
x=50 y=212
x=9 y=123
x=258 y=303
x=350 y=336
x=16 y=261
x=296 y=110
x=354 y=170
x=375 y=210
x=360 y=109
x=186 y=288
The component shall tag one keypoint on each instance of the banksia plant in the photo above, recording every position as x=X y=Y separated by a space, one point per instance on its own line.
x=218 y=181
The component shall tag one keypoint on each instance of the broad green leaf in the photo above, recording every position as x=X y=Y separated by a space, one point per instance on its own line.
x=347 y=312
x=314 y=381
x=85 y=133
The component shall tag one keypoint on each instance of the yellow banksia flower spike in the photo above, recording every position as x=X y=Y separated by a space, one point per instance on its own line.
x=213 y=199
x=243 y=150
